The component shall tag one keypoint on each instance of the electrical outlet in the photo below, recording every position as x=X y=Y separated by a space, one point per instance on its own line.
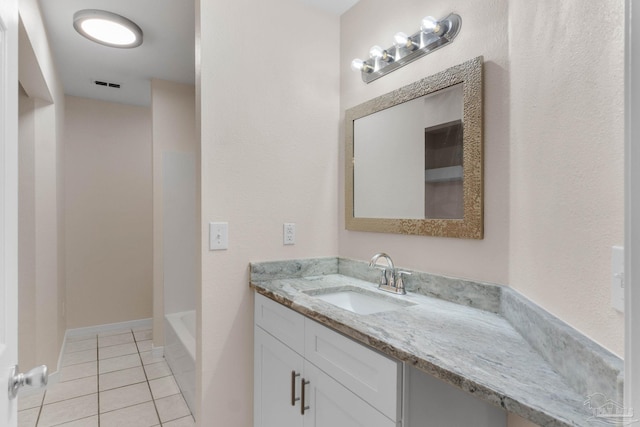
x=617 y=278
x=218 y=236
x=289 y=233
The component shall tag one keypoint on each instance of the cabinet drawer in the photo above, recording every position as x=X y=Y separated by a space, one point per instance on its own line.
x=281 y=322
x=374 y=377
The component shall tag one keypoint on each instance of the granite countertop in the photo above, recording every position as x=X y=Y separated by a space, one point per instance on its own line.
x=475 y=350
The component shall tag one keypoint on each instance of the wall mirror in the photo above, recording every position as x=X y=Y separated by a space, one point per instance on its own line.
x=414 y=158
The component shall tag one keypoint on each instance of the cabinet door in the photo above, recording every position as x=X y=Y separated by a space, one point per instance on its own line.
x=372 y=376
x=274 y=363
x=330 y=404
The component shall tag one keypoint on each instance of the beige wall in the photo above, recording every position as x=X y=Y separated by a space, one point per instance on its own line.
x=269 y=150
x=108 y=212
x=42 y=231
x=174 y=129
x=567 y=159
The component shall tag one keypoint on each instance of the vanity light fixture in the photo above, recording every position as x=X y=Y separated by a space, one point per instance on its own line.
x=107 y=28
x=433 y=35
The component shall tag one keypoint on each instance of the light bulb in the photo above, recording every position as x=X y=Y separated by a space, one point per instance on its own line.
x=360 y=65
x=400 y=40
x=430 y=25
x=108 y=31
x=376 y=52
x=357 y=64
x=107 y=28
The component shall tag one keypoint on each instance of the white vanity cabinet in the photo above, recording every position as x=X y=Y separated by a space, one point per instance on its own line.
x=299 y=363
x=285 y=382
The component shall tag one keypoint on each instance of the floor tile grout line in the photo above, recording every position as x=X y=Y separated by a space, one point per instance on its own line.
x=73 y=421
x=40 y=410
x=67 y=351
x=150 y=391
x=121 y=386
x=42 y=405
x=148 y=385
x=66 y=400
x=97 y=374
x=126 y=407
x=120 y=355
x=79 y=363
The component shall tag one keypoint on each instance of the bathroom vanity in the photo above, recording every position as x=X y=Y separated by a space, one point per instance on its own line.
x=416 y=360
x=309 y=375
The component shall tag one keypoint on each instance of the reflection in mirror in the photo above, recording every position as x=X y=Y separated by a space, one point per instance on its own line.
x=416 y=157
x=413 y=168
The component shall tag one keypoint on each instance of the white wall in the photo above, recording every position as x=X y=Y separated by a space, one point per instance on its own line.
x=268 y=141
x=45 y=270
x=27 y=325
x=108 y=217
x=179 y=231
x=269 y=148
x=174 y=131
x=553 y=149
x=567 y=159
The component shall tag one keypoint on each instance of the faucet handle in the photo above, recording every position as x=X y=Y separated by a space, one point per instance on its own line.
x=400 y=281
x=383 y=277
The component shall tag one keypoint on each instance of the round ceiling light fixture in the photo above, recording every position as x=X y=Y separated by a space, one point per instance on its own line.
x=107 y=28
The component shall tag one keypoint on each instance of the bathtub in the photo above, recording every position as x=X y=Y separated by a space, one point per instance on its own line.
x=180 y=352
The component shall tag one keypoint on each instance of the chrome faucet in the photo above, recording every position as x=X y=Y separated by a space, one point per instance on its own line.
x=391 y=279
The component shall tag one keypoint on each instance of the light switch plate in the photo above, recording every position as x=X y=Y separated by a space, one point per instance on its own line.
x=617 y=278
x=218 y=236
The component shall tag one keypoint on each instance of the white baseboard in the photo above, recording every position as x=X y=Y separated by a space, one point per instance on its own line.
x=131 y=324
x=98 y=329
x=54 y=377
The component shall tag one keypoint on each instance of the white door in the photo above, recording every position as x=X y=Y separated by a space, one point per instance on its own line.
x=8 y=205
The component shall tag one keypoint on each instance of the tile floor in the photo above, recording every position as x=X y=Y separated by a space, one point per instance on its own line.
x=108 y=379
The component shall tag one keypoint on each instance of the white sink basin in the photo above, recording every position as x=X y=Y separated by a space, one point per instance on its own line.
x=361 y=303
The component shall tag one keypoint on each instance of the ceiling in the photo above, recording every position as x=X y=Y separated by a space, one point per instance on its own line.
x=167 y=52
x=337 y=7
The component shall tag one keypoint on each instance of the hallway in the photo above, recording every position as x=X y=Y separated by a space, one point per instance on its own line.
x=109 y=379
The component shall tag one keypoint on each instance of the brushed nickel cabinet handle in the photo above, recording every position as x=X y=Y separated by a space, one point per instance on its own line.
x=302 y=384
x=294 y=399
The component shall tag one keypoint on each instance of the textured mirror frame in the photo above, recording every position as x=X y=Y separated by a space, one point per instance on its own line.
x=471 y=225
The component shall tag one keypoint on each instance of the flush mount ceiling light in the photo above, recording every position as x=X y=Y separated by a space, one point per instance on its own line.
x=107 y=28
x=433 y=34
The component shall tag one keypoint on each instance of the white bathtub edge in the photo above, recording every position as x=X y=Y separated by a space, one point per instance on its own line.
x=189 y=340
x=179 y=353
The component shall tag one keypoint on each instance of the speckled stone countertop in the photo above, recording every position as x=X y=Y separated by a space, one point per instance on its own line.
x=473 y=349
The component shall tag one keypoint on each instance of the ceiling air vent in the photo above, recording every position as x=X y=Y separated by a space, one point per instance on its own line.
x=106 y=84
